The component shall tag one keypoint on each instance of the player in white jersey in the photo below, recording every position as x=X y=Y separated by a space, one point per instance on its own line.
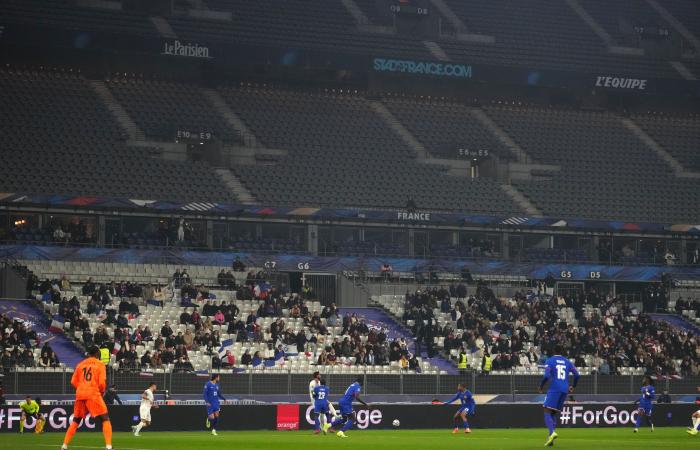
x=695 y=418
x=316 y=381
x=147 y=402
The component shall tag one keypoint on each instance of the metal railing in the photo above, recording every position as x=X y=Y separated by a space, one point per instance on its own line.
x=289 y=384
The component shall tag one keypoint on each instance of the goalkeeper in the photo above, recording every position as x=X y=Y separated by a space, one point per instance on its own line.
x=30 y=408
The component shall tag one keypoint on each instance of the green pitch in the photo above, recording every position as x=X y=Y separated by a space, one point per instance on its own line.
x=613 y=438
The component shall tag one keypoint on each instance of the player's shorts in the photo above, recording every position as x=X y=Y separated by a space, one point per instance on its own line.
x=555 y=400
x=465 y=408
x=95 y=406
x=645 y=408
x=213 y=408
x=345 y=408
x=145 y=413
x=321 y=409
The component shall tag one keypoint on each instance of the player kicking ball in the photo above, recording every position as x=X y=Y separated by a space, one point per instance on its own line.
x=347 y=415
x=467 y=407
x=211 y=398
x=696 y=421
x=645 y=403
x=147 y=402
x=556 y=371
x=320 y=395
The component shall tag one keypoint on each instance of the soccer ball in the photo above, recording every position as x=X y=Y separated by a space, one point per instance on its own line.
x=396 y=423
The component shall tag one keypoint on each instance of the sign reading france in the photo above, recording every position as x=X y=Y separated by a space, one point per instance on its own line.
x=422 y=68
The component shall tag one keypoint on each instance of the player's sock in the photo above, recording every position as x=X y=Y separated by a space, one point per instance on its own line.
x=466 y=423
x=107 y=432
x=337 y=421
x=638 y=423
x=138 y=428
x=322 y=421
x=456 y=420
x=213 y=422
x=695 y=422
x=347 y=425
x=549 y=421
x=317 y=422
x=70 y=433
x=649 y=422
x=21 y=426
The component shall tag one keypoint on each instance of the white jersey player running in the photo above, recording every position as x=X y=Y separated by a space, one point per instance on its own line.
x=147 y=402
x=695 y=418
x=316 y=381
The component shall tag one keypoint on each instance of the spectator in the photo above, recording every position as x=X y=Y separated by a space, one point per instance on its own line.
x=246 y=359
x=183 y=365
x=88 y=287
x=386 y=271
x=111 y=395
x=229 y=360
x=257 y=359
x=238 y=265
x=166 y=331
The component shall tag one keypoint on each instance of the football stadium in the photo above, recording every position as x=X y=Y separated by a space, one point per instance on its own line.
x=380 y=224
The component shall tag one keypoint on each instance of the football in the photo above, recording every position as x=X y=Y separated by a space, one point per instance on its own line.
x=396 y=423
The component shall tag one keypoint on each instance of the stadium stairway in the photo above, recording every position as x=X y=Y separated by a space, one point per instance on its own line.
x=375 y=317
x=677 y=321
x=68 y=354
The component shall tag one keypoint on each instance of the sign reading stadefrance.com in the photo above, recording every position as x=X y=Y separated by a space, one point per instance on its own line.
x=422 y=68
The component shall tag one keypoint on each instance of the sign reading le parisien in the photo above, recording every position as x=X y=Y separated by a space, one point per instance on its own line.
x=177 y=48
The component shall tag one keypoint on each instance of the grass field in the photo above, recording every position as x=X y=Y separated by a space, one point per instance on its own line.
x=612 y=438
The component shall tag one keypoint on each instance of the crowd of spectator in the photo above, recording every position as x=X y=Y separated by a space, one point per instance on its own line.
x=521 y=331
x=18 y=343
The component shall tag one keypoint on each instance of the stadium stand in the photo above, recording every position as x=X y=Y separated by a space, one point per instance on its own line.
x=297 y=25
x=604 y=335
x=256 y=319
x=606 y=172
x=679 y=134
x=542 y=35
x=341 y=153
x=55 y=117
x=686 y=11
x=161 y=108
x=619 y=18
x=64 y=14
x=445 y=127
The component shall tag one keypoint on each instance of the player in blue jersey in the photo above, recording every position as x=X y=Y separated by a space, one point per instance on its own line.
x=211 y=398
x=556 y=371
x=467 y=407
x=347 y=415
x=320 y=395
x=645 y=403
